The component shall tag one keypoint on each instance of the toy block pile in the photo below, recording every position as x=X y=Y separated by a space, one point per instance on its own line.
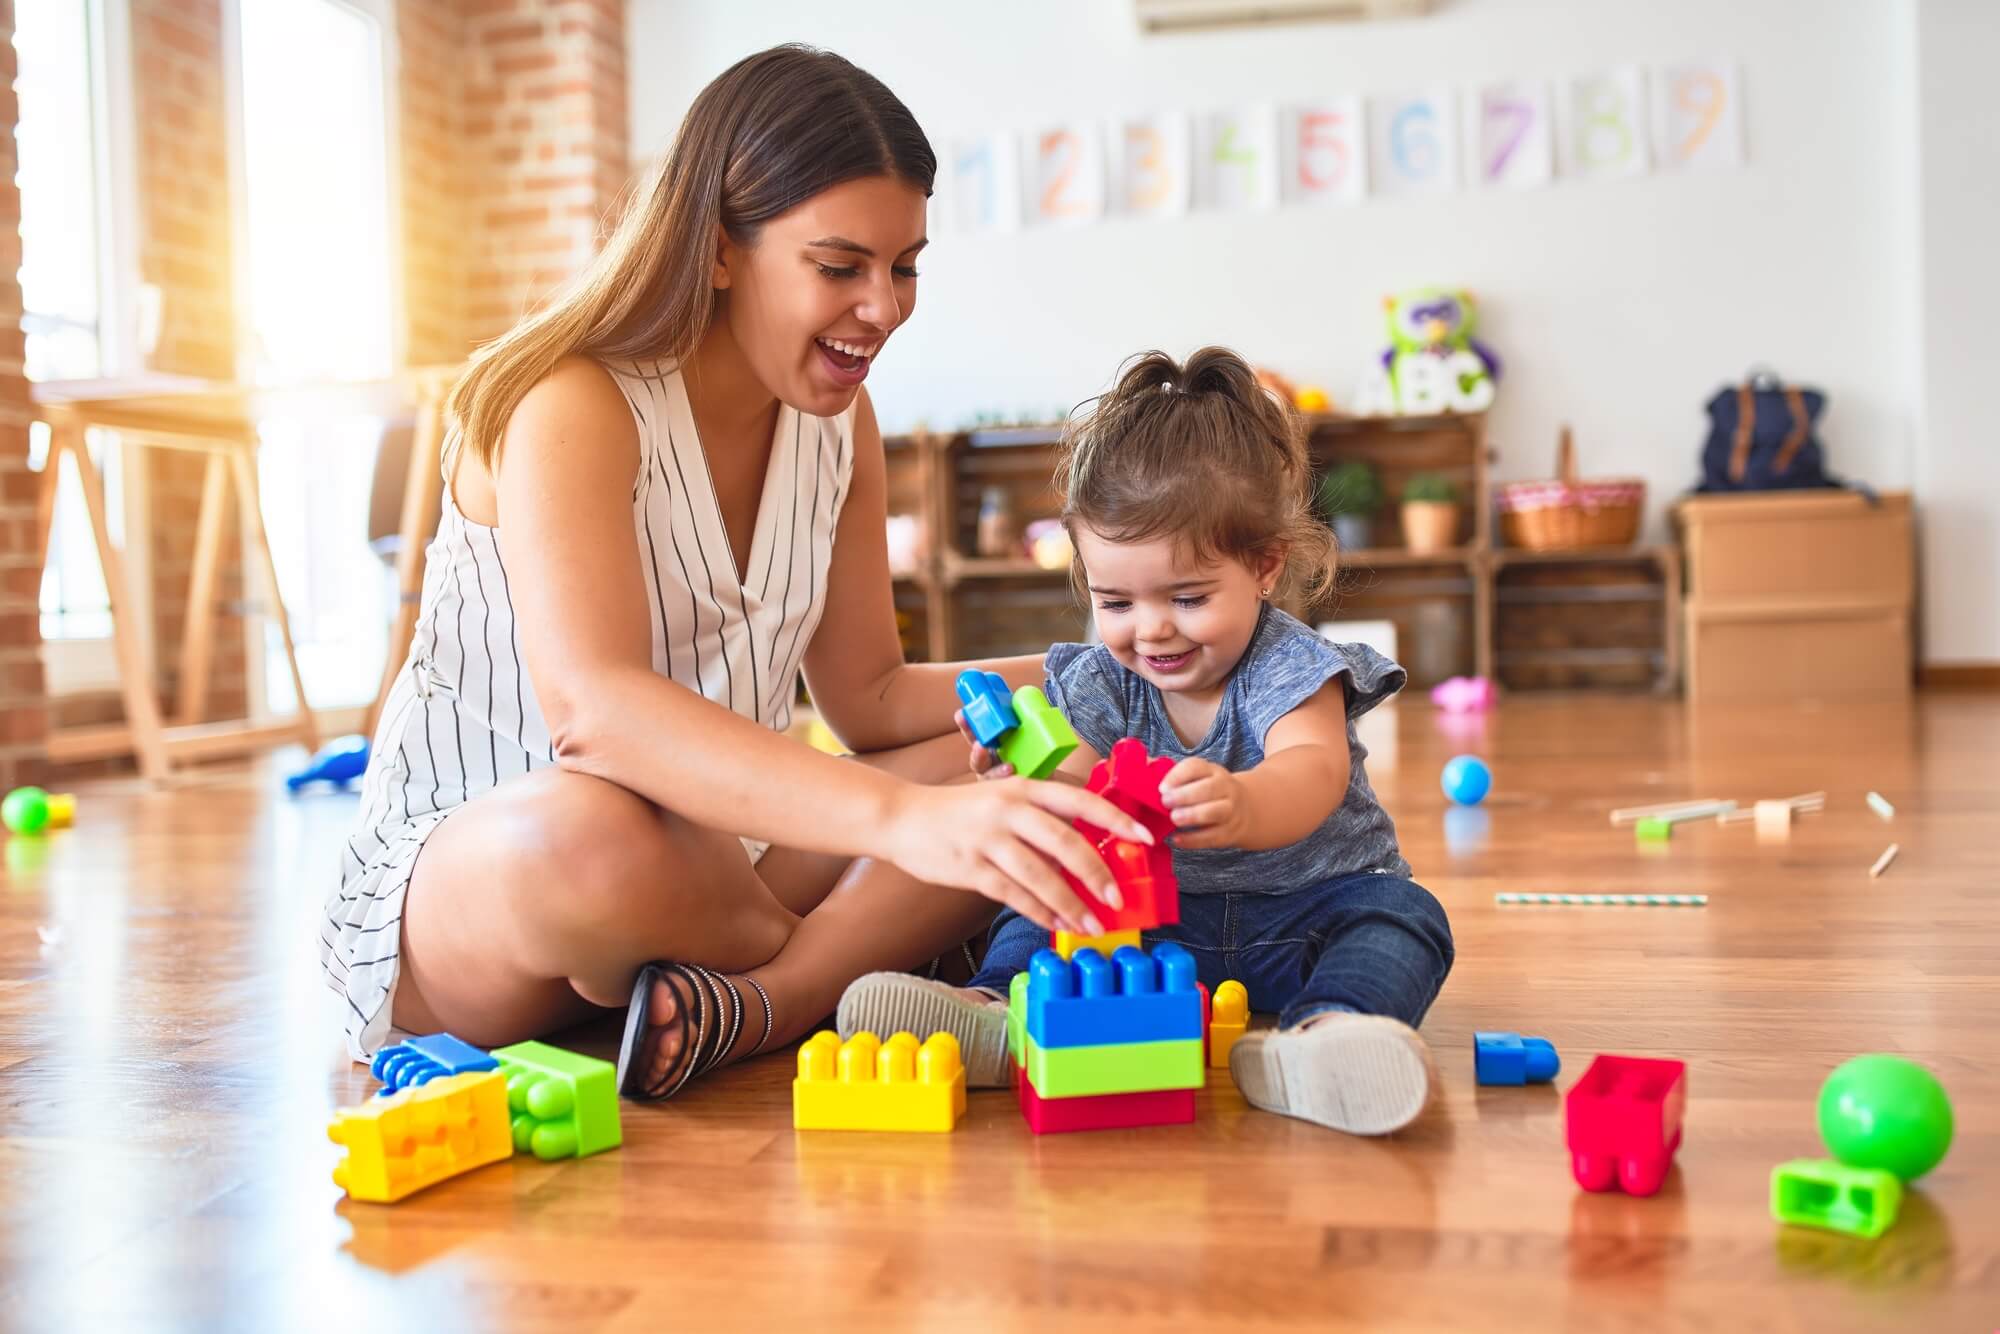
x=446 y=1107
x=1024 y=730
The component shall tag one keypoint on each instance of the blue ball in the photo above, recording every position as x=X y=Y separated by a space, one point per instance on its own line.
x=1467 y=780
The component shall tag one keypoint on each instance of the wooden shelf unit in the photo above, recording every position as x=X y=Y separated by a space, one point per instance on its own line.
x=1443 y=602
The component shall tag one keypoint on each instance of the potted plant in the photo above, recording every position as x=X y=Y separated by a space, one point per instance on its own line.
x=1430 y=512
x=1349 y=495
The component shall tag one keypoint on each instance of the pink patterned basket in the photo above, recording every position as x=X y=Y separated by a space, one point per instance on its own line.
x=1565 y=512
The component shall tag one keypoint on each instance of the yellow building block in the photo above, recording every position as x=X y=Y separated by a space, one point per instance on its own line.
x=868 y=1084
x=1229 y=1016
x=399 y=1144
x=1106 y=944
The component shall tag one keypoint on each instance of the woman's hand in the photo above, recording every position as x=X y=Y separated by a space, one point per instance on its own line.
x=1208 y=802
x=1004 y=839
x=985 y=763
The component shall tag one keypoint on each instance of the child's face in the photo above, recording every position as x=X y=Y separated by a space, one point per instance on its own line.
x=1180 y=624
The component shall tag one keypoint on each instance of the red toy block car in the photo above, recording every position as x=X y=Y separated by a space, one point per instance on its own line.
x=1130 y=780
x=1624 y=1120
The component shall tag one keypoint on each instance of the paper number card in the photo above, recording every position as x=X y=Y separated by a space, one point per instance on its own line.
x=1064 y=171
x=1697 y=116
x=1150 y=167
x=1238 y=156
x=1326 y=157
x=1510 y=135
x=1604 y=130
x=1413 y=144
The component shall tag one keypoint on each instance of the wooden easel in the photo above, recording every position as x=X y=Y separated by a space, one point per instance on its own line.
x=423 y=483
x=215 y=422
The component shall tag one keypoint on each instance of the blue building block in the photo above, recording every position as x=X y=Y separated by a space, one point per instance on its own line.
x=989 y=706
x=338 y=762
x=1509 y=1058
x=1134 y=996
x=420 y=1060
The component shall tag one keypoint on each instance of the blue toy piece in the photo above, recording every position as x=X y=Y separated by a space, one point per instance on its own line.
x=1134 y=996
x=420 y=1060
x=989 y=706
x=338 y=762
x=1466 y=779
x=1509 y=1058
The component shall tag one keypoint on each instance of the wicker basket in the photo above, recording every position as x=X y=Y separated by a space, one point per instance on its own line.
x=1550 y=516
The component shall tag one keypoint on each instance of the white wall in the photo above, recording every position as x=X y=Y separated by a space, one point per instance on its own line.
x=1618 y=307
x=1958 y=472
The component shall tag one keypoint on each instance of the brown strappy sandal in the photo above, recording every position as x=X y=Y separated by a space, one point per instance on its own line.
x=712 y=1009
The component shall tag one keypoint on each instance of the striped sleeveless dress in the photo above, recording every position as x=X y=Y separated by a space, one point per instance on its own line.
x=461 y=717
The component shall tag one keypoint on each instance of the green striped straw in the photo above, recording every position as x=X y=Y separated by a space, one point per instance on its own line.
x=1612 y=900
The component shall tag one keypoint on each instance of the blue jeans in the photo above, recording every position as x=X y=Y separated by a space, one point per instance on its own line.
x=1373 y=944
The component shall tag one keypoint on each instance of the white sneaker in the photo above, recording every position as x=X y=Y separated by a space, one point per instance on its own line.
x=1365 y=1074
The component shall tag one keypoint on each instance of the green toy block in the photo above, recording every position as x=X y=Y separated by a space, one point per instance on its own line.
x=1126 y=1067
x=563 y=1105
x=1818 y=1192
x=1042 y=741
x=1017 y=1022
x=1653 y=829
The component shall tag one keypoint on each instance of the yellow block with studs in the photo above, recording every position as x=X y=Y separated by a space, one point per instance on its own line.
x=1229 y=1016
x=868 y=1084
x=400 y=1144
x=1066 y=944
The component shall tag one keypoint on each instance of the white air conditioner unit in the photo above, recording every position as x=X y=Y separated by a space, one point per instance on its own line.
x=1184 y=15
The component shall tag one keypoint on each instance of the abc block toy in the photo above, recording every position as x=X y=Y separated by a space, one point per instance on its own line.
x=1111 y=1111
x=1066 y=945
x=1230 y=1020
x=420 y=1060
x=867 y=1084
x=1813 y=1192
x=1624 y=1123
x=400 y=1144
x=1130 y=780
x=1509 y=1058
x=1134 y=996
x=563 y=1105
x=988 y=710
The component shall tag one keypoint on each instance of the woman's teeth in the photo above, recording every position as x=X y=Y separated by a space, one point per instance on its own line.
x=845 y=349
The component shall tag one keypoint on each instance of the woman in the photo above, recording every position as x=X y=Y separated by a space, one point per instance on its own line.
x=659 y=490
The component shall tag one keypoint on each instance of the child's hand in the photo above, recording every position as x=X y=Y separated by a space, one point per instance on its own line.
x=1207 y=801
x=985 y=763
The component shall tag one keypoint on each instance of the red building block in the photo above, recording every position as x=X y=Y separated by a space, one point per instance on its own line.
x=1107 y=1111
x=1624 y=1119
x=1130 y=780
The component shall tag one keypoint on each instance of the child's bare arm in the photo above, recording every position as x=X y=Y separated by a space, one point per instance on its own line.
x=1302 y=779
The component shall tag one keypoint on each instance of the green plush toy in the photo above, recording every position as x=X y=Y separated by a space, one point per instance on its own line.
x=1433 y=363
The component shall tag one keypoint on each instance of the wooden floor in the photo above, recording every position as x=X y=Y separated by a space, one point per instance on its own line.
x=168 y=1058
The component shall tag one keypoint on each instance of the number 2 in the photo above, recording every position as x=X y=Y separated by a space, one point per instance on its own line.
x=1060 y=146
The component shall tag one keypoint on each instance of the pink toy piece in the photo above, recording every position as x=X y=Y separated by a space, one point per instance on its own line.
x=1464 y=694
x=1108 y=1111
x=1624 y=1123
x=1130 y=780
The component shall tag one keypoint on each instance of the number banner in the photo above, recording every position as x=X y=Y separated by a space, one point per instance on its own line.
x=1698 y=116
x=1413 y=144
x=983 y=190
x=1062 y=173
x=1603 y=132
x=1326 y=152
x=1150 y=175
x=1508 y=131
x=1237 y=159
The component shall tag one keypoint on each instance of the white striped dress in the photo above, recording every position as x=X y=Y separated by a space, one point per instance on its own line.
x=462 y=718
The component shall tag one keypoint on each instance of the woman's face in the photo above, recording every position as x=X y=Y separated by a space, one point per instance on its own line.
x=812 y=303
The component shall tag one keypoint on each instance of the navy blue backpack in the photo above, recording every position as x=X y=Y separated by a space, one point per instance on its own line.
x=1760 y=438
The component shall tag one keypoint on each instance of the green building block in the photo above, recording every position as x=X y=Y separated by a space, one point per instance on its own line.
x=563 y=1105
x=1127 y=1067
x=1817 y=1192
x=1017 y=1022
x=1653 y=829
x=1042 y=741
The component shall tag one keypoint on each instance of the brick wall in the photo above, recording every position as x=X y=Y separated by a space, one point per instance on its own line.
x=23 y=713
x=184 y=221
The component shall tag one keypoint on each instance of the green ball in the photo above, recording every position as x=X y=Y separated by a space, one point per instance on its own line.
x=26 y=810
x=1885 y=1112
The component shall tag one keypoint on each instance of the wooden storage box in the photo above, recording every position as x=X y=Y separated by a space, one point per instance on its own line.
x=1570 y=620
x=1800 y=595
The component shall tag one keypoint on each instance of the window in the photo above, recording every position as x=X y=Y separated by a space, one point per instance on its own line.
x=311 y=80
x=63 y=275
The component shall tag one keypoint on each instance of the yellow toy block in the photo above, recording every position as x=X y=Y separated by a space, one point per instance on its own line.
x=1106 y=944
x=399 y=1144
x=868 y=1084
x=1229 y=1016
